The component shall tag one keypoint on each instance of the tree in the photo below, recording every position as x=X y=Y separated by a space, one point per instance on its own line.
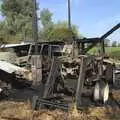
x=64 y=24
x=18 y=17
x=17 y=24
x=46 y=18
x=47 y=24
x=114 y=44
x=61 y=32
x=55 y=32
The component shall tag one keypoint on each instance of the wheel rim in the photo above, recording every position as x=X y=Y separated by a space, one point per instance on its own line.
x=105 y=93
x=97 y=92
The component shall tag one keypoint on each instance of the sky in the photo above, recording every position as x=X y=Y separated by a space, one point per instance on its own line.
x=93 y=17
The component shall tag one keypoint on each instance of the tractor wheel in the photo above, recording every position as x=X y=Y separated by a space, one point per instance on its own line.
x=105 y=92
x=101 y=91
x=96 y=94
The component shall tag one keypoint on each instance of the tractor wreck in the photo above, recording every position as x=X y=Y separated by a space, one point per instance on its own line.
x=73 y=73
x=62 y=72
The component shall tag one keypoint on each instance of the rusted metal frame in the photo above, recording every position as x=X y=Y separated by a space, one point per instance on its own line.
x=80 y=84
x=52 y=104
x=49 y=86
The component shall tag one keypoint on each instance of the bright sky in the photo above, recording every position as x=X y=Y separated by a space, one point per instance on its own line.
x=93 y=17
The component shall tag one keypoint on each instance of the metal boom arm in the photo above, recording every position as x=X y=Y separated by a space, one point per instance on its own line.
x=110 y=31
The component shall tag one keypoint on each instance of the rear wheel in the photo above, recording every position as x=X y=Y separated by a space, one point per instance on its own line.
x=105 y=93
x=101 y=91
x=96 y=94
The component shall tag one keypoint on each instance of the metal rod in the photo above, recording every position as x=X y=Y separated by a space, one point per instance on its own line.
x=106 y=35
x=35 y=26
x=110 y=31
x=69 y=15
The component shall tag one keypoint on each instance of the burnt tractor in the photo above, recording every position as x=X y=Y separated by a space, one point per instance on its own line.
x=69 y=73
x=63 y=72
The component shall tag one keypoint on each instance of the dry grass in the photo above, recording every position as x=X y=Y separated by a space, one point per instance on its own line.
x=22 y=111
x=105 y=113
x=15 y=111
x=116 y=95
x=108 y=112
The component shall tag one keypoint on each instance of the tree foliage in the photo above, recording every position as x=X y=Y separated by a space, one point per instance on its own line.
x=47 y=24
x=18 y=17
x=46 y=18
x=61 y=32
x=17 y=23
x=55 y=31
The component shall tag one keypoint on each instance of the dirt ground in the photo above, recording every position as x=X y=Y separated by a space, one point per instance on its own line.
x=10 y=110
